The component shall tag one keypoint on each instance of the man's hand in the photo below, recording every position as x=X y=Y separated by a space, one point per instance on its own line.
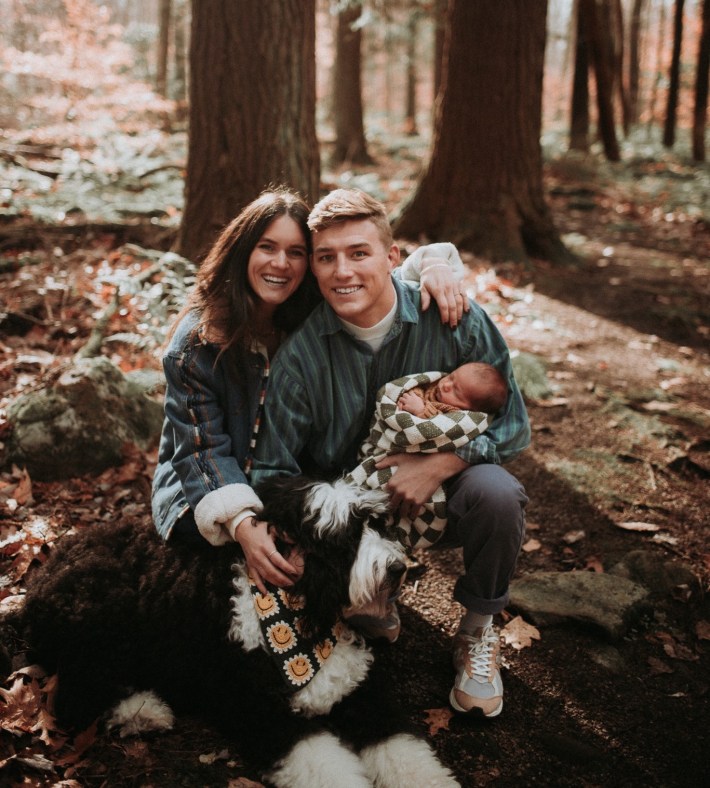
x=417 y=477
x=437 y=282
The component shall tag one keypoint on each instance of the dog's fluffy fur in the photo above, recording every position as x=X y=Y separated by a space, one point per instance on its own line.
x=131 y=625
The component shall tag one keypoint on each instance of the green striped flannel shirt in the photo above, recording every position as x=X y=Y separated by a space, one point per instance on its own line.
x=323 y=385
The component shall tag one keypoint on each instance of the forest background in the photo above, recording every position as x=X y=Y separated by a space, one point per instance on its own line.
x=562 y=146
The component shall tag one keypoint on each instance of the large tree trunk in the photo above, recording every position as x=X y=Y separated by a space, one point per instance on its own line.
x=252 y=110
x=579 y=115
x=483 y=185
x=674 y=77
x=701 y=86
x=597 y=23
x=350 y=144
x=619 y=57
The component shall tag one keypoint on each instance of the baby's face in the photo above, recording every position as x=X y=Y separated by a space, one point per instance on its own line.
x=460 y=389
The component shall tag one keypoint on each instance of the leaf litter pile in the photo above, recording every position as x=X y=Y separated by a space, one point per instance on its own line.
x=619 y=464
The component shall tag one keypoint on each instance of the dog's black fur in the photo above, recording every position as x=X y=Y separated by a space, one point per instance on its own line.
x=116 y=610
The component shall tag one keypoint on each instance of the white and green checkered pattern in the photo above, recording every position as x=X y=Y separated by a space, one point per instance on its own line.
x=393 y=431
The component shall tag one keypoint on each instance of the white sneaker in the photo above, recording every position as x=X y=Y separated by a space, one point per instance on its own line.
x=478 y=687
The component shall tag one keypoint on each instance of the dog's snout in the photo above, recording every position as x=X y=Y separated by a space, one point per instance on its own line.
x=396 y=571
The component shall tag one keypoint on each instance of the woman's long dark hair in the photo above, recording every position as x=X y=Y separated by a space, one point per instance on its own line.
x=223 y=296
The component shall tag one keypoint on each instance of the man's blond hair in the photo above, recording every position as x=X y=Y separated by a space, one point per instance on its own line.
x=344 y=205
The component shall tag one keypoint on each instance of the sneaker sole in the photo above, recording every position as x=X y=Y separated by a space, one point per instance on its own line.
x=475 y=711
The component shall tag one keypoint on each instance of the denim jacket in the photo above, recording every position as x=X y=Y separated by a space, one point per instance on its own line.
x=206 y=434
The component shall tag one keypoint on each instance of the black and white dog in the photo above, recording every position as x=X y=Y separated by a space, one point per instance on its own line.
x=131 y=625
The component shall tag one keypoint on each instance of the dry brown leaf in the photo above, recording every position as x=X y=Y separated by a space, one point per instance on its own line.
x=519 y=634
x=22 y=704
x=243 y=782
x=23 y=491
x=593 y=564
x=638 y=526
x=552 y=402
x=657 y=667
x=438 y=720
x=531 y=545
x=702 y=630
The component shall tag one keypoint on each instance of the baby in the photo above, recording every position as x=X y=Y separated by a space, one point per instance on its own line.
x=472 y=386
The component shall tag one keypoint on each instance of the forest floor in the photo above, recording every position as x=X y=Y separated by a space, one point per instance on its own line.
x=619 y=462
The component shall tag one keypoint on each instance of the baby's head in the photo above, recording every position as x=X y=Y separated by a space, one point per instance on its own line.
x=473 y=386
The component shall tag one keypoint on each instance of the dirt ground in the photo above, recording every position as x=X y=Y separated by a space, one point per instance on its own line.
x=623 y=438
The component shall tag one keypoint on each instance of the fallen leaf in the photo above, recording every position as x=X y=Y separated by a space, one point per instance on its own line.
x=243 y=782
x=519 y=634
x=638 y=526
x=702 y=630
x=658 y=667
x=571 y=537
x=438 y=719
x=552 y=402
x=531 y=545
x=593 y=564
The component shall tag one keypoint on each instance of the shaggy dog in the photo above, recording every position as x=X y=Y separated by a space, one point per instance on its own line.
x=130 y=625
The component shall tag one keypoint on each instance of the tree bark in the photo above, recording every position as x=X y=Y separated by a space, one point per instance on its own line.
x=161 y=75
x=674 y=77
x=579 y=115
x=410 y=115
x=180 y=51
x=350 y=143
x=619 y=56
x=597 y=20
x=252 y=110
x=440 y=26
x=482 y=188
x=701 y=85
x=635 y=59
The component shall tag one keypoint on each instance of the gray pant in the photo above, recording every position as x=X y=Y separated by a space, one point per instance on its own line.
x=486 y=512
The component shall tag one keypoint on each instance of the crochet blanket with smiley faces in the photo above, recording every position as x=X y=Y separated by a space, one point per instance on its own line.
x=298 y=657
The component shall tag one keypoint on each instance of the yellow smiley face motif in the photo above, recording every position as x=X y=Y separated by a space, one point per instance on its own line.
x=281 y=637
x=324 y=650
x=265 y=605
x=299 y=669
x=292 y=601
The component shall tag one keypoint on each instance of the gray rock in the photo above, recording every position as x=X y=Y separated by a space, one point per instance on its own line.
x=606 y=602
x=661 y=576
x=80 y=421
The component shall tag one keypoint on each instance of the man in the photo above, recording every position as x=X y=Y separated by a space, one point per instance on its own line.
x=322 y=390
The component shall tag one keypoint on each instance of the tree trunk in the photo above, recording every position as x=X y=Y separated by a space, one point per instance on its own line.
x=179 y=92
x=483 y=188
x=161 y=74
x=701 y=85
x=658 y=76
x=597 y=20
x=350 y=144
x=674 y=77
x=579 y=120
x=440 y=26
x=619 y=81
x=635 y=60
x=252 y=110
x=410 y=114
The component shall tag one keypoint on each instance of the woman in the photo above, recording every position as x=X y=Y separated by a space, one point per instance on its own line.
x=253 y=288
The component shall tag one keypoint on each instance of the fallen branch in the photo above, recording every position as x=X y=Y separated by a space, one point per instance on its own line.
x=92 y=348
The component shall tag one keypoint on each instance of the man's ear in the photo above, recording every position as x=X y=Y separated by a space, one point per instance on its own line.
x=393 y=256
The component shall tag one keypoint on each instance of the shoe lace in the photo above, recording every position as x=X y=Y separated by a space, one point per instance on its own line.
x=481 y=652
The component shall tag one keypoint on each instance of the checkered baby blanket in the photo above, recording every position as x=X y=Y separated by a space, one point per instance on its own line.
x=393 y=431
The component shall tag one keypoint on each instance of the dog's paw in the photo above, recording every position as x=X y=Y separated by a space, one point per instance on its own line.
x=402 y=761
x=141 y=713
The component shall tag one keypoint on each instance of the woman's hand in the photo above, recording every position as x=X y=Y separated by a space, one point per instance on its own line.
x=264 y=561
x=437 y=282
